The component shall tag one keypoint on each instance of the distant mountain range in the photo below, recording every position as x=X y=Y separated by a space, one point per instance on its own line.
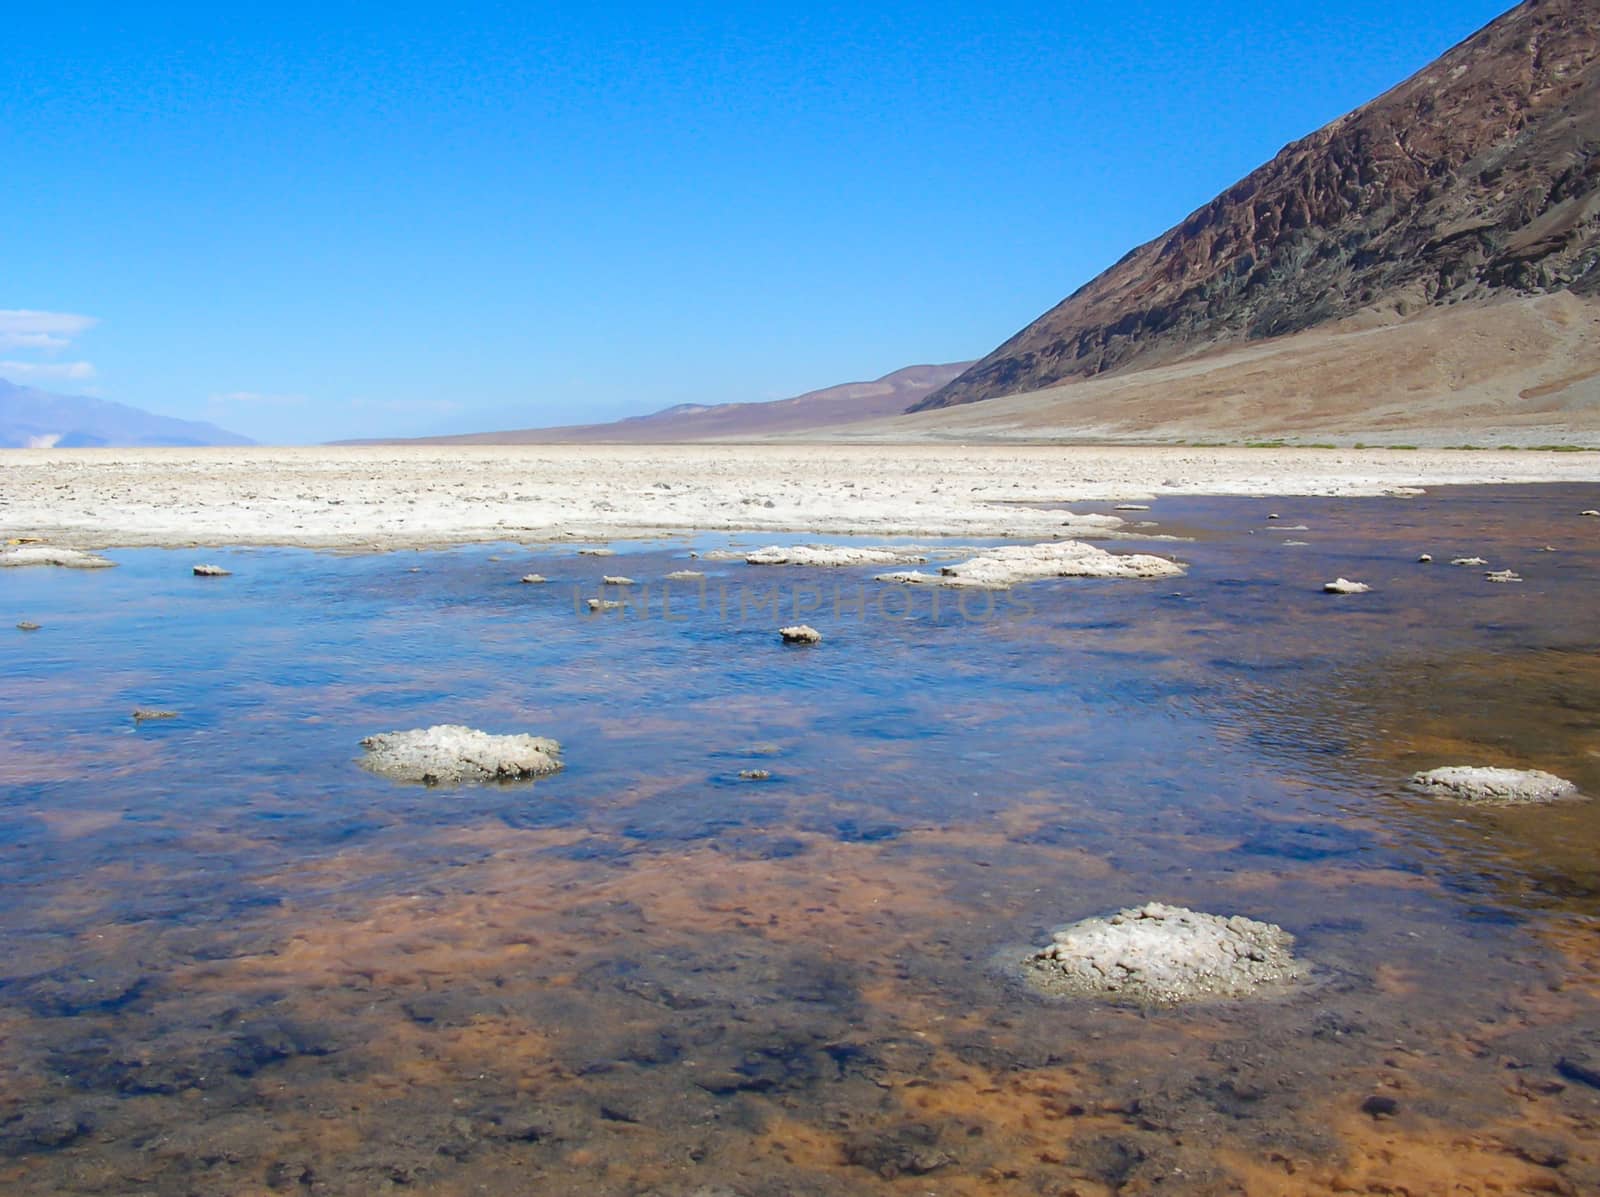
x=836 y=406
x=34 y=419
x=1476 y=180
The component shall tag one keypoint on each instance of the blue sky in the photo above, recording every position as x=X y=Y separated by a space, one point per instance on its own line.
x=315 y=221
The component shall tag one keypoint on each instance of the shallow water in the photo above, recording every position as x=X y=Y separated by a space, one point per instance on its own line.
x=232 y=961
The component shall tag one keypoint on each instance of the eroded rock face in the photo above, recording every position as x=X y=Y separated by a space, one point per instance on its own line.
x=49 y=554
x=1162 y=955
x=1493 y=787
x=449 y=753
x=999 y=568
x=1475 y=178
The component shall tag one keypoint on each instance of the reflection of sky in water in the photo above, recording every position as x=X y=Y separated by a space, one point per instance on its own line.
x=940 y=787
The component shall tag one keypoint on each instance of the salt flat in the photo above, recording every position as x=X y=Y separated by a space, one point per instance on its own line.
x=401 y=496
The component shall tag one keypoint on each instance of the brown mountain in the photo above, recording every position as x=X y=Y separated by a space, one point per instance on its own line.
x=837 y=406
x=1476 y=179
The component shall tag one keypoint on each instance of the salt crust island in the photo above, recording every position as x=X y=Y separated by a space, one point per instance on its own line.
x=1160 y=955
x=449 y=754
x=1000 y=568
x=1345 y=586
x=1493 y=787
x=49 y=554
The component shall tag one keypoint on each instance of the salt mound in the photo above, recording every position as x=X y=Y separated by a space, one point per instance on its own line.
x=829 y=554
x=1000 y=568
x=1162 y=955
x=800 y=633
x=1345 y=586
x=449 y=753
x=1493 y=787
x=49 y=554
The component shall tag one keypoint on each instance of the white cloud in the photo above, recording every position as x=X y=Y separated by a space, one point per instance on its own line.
x=21 y=328
x=69 y=371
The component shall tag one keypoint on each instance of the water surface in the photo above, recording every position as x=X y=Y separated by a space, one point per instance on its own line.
x=232 y=961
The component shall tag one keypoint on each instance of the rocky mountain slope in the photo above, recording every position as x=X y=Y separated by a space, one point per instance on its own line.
x=31 y=418
x=835 y=406
x=1476 y=179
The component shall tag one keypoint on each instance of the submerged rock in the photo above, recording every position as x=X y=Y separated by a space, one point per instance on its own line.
x=49 y=554
x=685 y=575
x=1164 y=955
x=599 y=604
x=211 y=571
x=449 y=753
x=1493 y=787
x=1003 y=567
x=27 y=625
x=1345 y=586
x=142 y=714
x=597 y=552
x=830 y=554
x=754 y=774
x=800 y=633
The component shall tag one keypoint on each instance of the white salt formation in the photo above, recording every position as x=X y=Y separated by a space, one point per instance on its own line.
x=1345 y=586
x=1000 y=568
x=1493 y=787
x=49 y=554
x=829 y=554
x=1162 y=955
x=532 y=579
x=211 y=571
x=448 y=754
x=800 y=633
